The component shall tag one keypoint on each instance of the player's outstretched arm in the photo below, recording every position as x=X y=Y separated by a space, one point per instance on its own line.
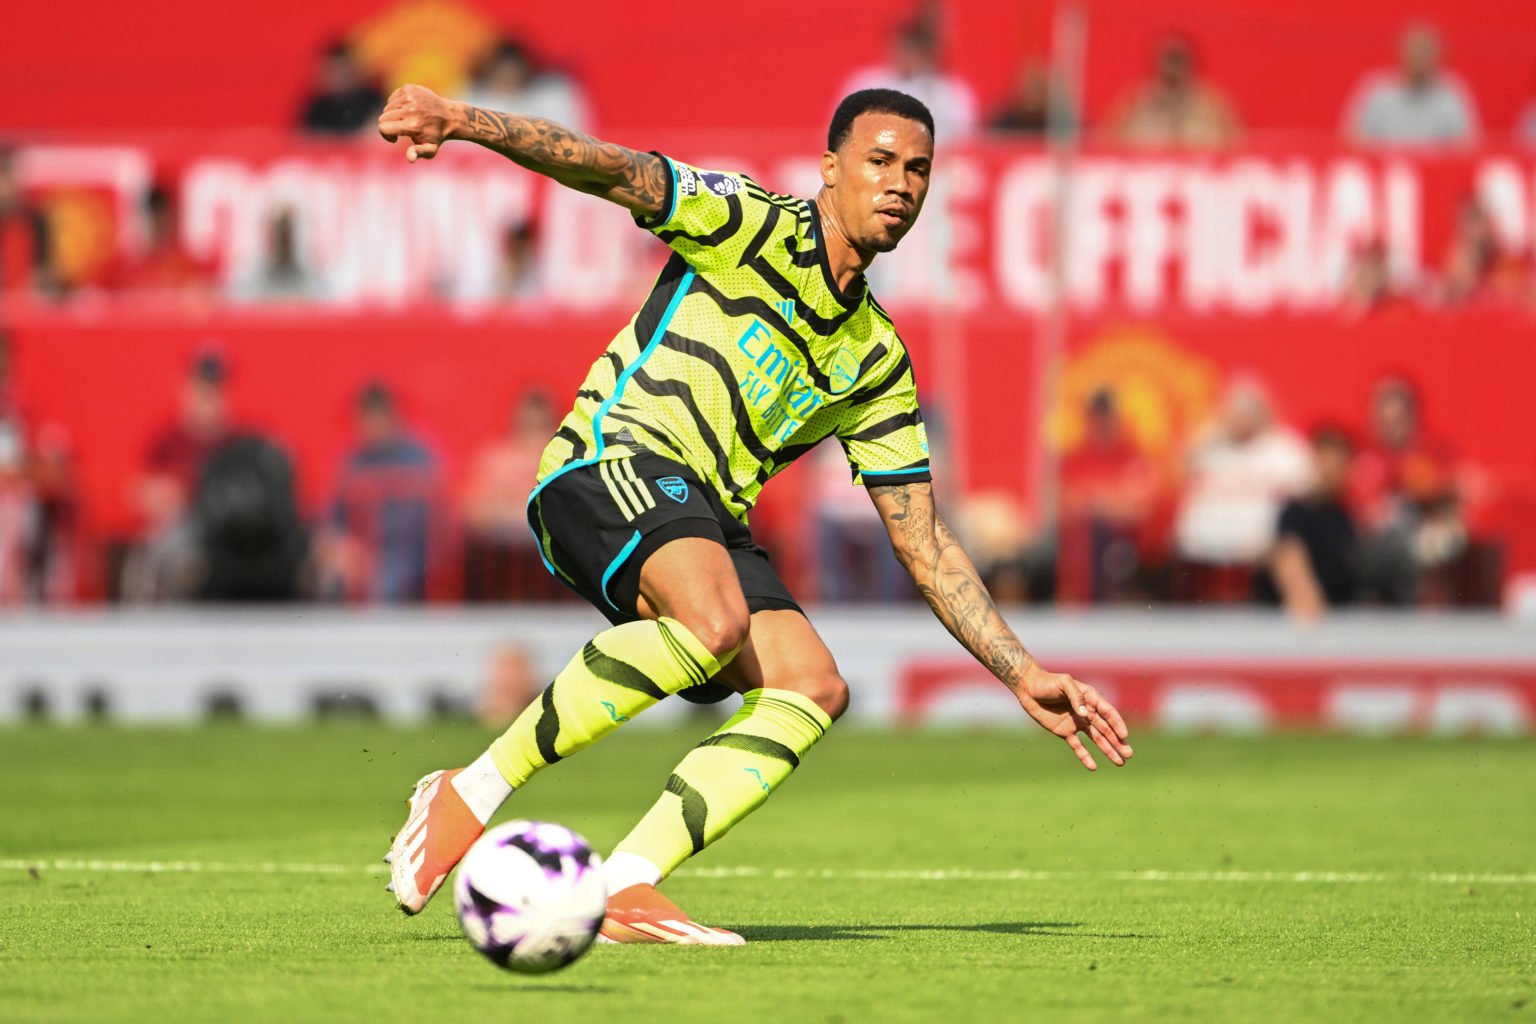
x=636 y=181
x=950 y=584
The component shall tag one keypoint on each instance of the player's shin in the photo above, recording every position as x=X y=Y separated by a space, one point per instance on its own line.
x=721 y=781
x=618 y=674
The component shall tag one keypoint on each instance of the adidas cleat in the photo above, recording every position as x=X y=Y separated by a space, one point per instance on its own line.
x=641 y=914
x=439 y=830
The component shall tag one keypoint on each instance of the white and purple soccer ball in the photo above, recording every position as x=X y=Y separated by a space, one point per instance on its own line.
x=531 y=896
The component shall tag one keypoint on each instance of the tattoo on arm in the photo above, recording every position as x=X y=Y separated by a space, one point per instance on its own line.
x=637 y=181
x=948 y=580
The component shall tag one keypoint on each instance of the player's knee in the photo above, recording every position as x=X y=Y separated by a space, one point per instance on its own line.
x=722 y=631
x=828 y=691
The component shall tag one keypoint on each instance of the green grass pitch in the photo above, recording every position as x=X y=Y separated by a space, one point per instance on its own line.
x=1307 y=882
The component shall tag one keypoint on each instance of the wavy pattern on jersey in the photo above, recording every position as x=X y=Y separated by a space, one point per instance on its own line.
x=721 y=234
x=741 y=416
x=752 y=257
x=751 y=305
x=683 y=393
x=885 y=427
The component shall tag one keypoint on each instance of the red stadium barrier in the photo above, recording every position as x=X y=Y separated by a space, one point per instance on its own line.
x=1263 y=694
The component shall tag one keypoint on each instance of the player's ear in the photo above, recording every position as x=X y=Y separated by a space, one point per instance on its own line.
x=829 y=168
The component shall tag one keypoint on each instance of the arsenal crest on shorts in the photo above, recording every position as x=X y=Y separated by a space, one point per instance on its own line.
x=674 y=487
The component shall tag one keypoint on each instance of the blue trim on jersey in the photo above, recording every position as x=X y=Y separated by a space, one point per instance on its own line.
x=683 y=285
x=673 y=211
x=894 y=472
x=613 y=567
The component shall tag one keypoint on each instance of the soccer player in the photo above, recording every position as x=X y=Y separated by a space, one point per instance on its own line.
x=759 y=340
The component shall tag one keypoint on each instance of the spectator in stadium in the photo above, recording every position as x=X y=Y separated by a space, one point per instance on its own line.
x=915 y=67
x=517 y=274
x=1478 y=268
x=1175 y=108
x=1108 y=487
x=282 y=275
x=1420 y=104
x=26 y=262
x=1406 y=485
x=16 y=498
x=164 y=563
x=1525 y=125
x=164 y=265
x=510 y=81
x=1239 y=475
x=501 y=555
x=512 y=681
x=344 y=102
x=853 y=557
x=1011 y=557
x=382 y=527
x=1368 y=286
x=1315 y=563
x=1035 y=107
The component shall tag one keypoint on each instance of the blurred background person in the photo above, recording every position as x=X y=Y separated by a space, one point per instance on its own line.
x=1368 y=286
x=1419 y=104
x=162 y=564
x=1175 y=107
x=1406 y=484
x=344 y=100
x=510 y=81
x=1315 y=563
x=26 y=262
x=381 y=532
x=249 y=539
x=1008 y=552
x=1034 y=107
x=164 y=265
x=915 y=66
x=512 y=681
x=501 y=554
x=16 y=498
x=853 y=551
x=282 y=275
x=1108 y=489
x=1525 y=124
x=1478 y=269
x=1240 y=474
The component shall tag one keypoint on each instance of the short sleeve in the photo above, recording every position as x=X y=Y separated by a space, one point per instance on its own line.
x=1291 y=519
x=884 y=434
x=708 y=217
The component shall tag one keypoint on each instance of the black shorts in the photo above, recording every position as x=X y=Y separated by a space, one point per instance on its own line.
x=598 y=523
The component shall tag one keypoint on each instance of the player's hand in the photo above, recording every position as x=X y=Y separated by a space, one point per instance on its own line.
x=1066 y=707
x=421 y=117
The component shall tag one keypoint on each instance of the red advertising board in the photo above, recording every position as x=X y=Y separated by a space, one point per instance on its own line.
x=1263 y=694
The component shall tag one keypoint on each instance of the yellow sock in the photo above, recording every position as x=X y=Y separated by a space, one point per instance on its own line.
x=728 y=776
x=618 y=674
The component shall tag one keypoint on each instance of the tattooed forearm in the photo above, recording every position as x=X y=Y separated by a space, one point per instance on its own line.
x=630 y=178
x=948 y=580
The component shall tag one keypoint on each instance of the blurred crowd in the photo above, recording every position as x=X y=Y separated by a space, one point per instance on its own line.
x=1417 y=102
x=1252 y=509
x=1249 y=511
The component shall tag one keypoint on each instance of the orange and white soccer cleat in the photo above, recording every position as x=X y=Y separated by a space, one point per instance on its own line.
x=641 y=914
x=438 y=832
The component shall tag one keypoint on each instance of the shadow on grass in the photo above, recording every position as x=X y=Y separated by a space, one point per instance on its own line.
x=836 y=932
x=524 y=985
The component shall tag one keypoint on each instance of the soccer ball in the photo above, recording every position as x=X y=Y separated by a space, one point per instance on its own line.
x=531 y=896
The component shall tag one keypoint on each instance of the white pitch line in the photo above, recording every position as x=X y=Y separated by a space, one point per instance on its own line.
x=157 y=867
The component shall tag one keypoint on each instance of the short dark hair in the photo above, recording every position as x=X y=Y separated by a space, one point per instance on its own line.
x=1333 y=435
x=875 y=101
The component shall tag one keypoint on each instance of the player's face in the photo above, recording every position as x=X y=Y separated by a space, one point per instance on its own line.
x=879 y=178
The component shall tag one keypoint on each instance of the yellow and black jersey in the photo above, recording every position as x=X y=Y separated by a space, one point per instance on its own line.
x=746 y=354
